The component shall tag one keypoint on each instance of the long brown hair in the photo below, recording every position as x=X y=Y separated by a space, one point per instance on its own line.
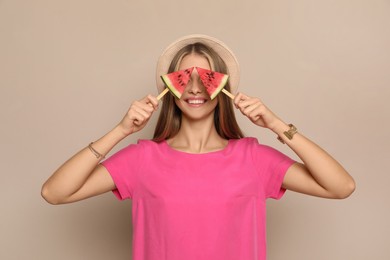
x=169 y=120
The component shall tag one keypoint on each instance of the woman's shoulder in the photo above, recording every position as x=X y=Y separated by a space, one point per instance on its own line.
x=147 y=144
x=253 y=144
x=245 y=141
x=244 y=146
x=140 y=144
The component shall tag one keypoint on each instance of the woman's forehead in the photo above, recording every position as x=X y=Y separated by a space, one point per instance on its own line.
x=194 y=60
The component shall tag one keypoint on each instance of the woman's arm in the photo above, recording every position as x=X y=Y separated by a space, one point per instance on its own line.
x=82 y=176
x=319 y=174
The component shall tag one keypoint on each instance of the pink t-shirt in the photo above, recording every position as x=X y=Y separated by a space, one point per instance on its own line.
x=208 y=206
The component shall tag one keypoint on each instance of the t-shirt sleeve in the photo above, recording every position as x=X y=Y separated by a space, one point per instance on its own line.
x=123 y=166
x=272 y=166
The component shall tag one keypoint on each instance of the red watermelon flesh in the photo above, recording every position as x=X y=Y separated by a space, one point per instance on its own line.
x=177 y=81
x=212 y=80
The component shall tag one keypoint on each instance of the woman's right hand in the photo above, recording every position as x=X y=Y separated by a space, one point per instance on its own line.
x=138 y=115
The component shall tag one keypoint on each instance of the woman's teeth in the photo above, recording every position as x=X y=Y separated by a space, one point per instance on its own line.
x=195 y=101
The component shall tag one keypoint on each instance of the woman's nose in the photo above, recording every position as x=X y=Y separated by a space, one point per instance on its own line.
x=195 y=85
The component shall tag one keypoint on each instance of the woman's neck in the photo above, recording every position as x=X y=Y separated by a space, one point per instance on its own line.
x=197 y=136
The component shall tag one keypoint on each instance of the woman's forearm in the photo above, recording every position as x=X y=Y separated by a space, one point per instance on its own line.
x=72 y=175
x=326 y=171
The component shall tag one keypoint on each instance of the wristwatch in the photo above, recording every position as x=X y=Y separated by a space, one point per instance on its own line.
x=289 y=133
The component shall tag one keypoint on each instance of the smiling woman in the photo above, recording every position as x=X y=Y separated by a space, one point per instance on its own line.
x=169 y=121
x=199 y=186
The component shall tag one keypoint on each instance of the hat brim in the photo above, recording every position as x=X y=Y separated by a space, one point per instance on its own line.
x=219 y=47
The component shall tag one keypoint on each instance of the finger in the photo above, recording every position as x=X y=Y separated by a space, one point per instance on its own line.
x=138 y=119
x=152 y=100
x=255 y=114
x=143 y=110
x=239 y=98
x=249 y=102
x=139 y=107
x=148 y=107
x=245 y=101
x=144 y=105
x=140 y=122
x=250 y=108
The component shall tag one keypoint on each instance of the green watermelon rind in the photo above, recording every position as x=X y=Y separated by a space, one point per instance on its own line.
x=169 y=84
x=220 y=87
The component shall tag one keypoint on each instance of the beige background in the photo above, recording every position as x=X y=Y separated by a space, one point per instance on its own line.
x=70 y=69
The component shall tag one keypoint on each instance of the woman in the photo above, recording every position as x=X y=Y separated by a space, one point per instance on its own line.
x=199 y=187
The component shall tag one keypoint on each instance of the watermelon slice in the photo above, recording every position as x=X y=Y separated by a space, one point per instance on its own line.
x=213 y=81
x=177 y=81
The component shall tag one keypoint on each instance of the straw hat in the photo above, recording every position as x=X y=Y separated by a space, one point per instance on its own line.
x=219 y=47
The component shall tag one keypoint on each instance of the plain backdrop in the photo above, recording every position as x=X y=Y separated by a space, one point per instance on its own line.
x=69 y=70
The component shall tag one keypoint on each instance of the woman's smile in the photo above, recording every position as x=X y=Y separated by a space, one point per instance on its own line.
x=195 y=102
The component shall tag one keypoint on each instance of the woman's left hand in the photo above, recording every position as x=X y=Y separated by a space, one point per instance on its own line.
x=256 y=111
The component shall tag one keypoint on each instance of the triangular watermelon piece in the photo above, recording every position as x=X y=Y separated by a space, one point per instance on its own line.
x=177 y=81
x=212 y=80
